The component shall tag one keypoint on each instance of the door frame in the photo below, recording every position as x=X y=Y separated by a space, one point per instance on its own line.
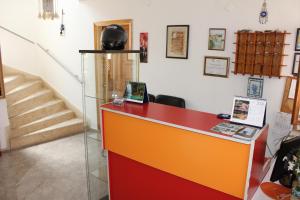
x=98 y=27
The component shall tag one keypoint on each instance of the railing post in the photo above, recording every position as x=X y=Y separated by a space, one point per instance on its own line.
x=2 y=91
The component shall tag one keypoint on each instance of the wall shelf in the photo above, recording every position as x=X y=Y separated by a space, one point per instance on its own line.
x=260 y=53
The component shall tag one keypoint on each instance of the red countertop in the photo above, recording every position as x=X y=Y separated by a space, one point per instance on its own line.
x=187 y=118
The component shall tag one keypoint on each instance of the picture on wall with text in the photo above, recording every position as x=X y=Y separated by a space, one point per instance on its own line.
x=144 y=47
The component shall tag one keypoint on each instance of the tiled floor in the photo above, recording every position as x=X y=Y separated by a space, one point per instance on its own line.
x=51 y=171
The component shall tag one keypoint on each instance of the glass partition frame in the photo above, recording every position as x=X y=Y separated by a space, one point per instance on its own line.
x=96 y=79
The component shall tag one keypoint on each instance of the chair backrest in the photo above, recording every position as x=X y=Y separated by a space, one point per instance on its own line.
x=151 y=97
x=170 y=100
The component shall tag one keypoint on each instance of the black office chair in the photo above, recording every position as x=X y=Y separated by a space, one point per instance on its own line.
x=170 y=100
x=151 y=97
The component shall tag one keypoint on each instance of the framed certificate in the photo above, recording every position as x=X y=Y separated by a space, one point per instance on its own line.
x=216 y=66
x=249 y=111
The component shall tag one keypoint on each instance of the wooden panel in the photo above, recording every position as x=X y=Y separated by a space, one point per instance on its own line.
x=278 y=53
x=268 y=54
x=296 y=106
x=195 y=157
x=260 y=53
x=2 y=91
x=250 y=58
x=99 y=26
x=242 y=49
x=103 y=73
x=287 y=103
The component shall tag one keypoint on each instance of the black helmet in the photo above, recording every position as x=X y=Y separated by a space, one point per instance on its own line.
x=113 y=37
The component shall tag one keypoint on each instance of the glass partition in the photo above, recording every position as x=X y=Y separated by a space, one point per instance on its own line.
x=104 y=75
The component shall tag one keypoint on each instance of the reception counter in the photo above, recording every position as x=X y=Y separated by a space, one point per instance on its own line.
x=162 y=152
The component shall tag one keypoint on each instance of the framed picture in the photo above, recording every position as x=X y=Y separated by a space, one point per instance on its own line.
x=296 y=64
x=144 y=47
x=297 y=46
x=216 y=66
x=216 y=39
x=177 y=41
x=255 y=87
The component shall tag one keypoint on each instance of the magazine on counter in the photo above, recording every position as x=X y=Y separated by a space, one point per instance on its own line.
x=246 y=133
x=227 y=128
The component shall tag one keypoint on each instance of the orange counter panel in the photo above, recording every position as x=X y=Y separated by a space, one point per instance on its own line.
x=213 y=162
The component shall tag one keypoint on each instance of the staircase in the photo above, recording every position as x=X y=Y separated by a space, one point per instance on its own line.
x=36 y=114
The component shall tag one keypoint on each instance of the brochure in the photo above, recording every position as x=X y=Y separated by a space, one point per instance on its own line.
x=249 y=111
x=227 y=128
x=246 y=133
x=136 y=92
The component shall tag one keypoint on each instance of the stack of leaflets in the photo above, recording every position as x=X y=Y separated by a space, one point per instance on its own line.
x=227 y=128
x=236 y=130
x=246 y=133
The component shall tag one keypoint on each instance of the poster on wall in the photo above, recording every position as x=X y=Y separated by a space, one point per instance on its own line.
x=255 y=87
x=144 y=47
x=297 y=45
x=296 y=64
x=177 y=41
x=216 y=39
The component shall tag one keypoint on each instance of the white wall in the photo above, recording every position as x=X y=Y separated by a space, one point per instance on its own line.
x=4 y=123
x=183 y=78
x=19 y=16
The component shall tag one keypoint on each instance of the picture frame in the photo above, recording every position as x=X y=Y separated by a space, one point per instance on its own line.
x=216 y=39
x=297 y=45
x=296 y=64
x=216 y=66
x=255 y=87
x=144 y=47
x=177 y=41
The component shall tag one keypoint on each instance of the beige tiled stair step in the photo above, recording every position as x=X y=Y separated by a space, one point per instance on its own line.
x=37 y=113
x=12 y=81
x=22 y=91
x=42 y=123
x=30 y=102
x=60 y=130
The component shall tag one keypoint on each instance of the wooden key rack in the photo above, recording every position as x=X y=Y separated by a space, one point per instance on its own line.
x=259 y=53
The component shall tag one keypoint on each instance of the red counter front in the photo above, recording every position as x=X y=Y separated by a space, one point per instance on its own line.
x=163 y=152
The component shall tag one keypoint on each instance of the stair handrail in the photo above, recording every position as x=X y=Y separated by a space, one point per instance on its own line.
x=47 y=51
x=16 y=34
